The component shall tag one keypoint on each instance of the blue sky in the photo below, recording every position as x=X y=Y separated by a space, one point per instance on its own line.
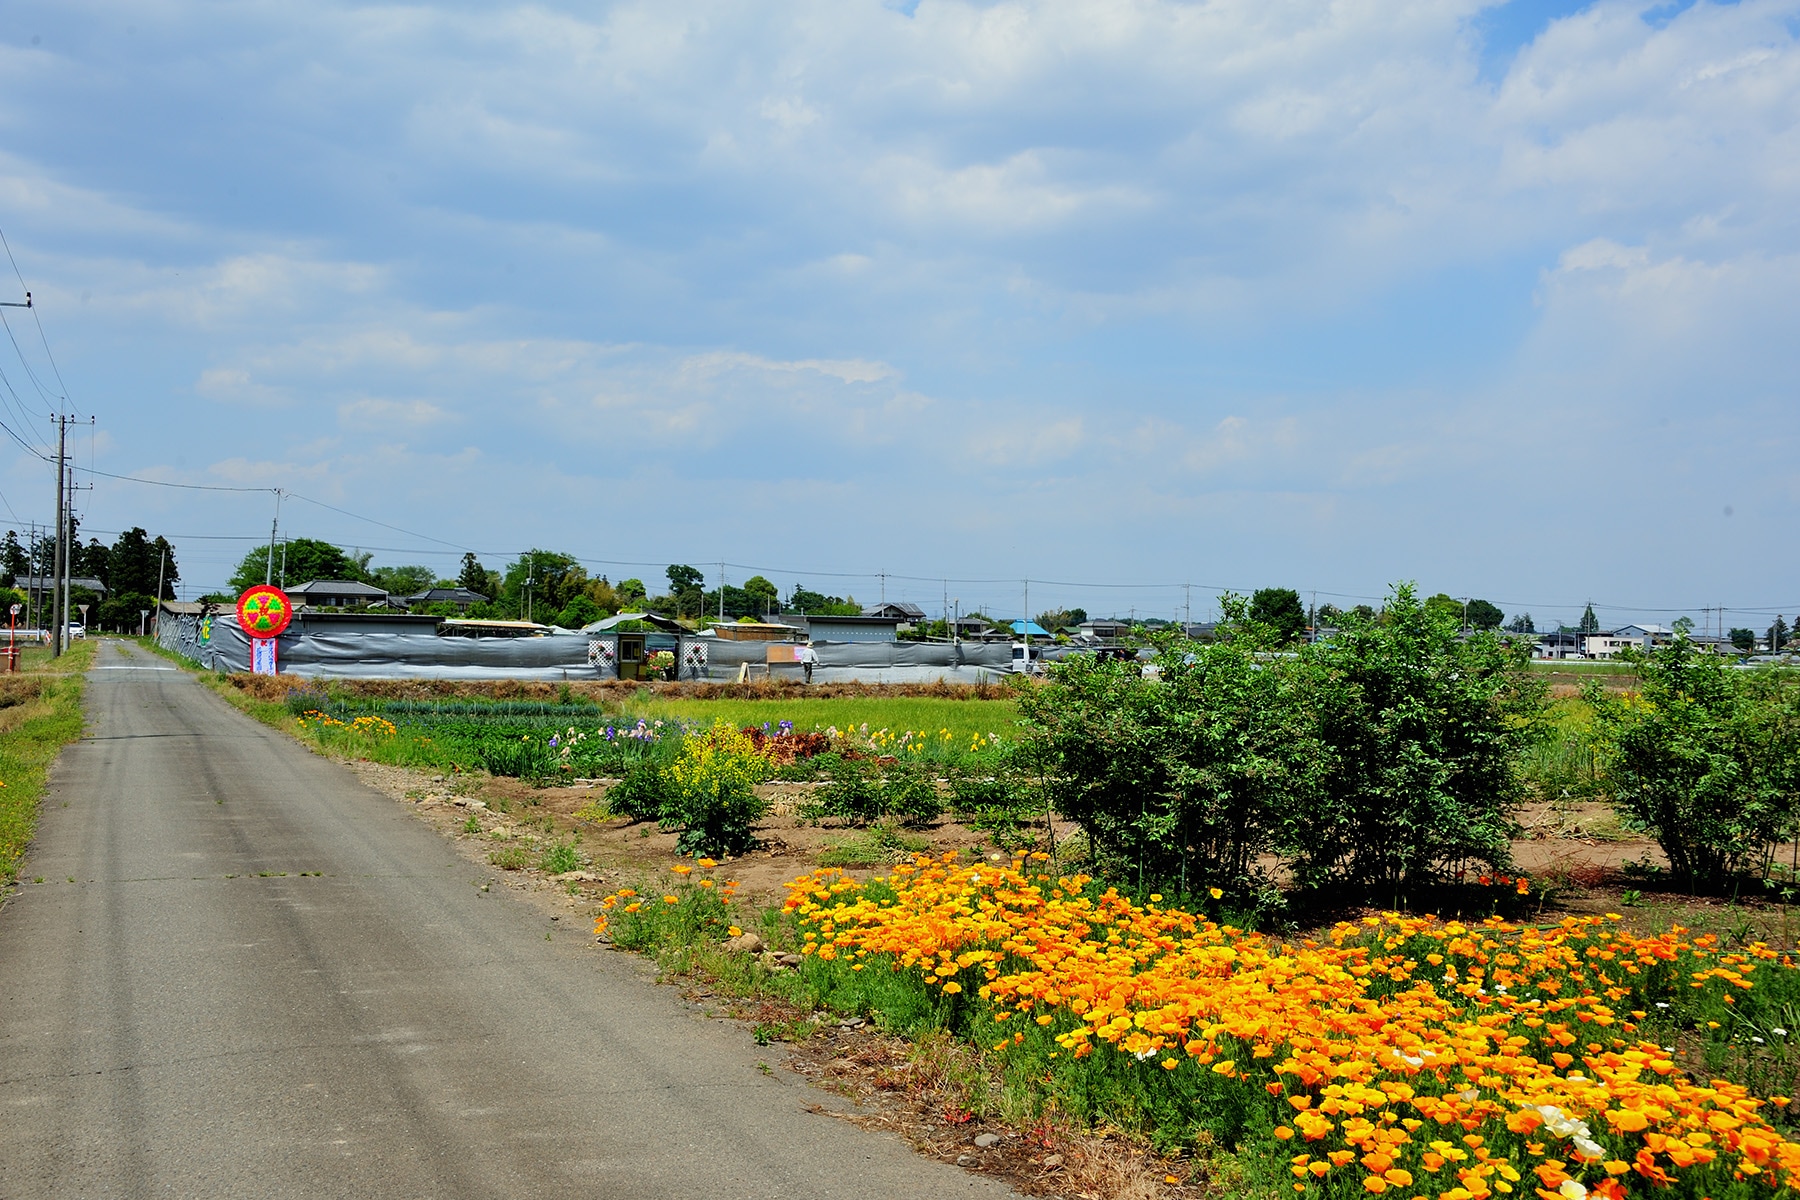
x=1497 y=298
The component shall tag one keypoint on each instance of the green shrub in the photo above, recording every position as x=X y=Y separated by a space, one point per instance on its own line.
x=853 y=794
x=1422 y=734
x=909 y=792
x=713 y=792
x=1385 y=759
x=513 y=858
x=643 y=794
x=1706 y=759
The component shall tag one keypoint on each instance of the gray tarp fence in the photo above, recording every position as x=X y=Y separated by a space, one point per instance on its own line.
x=357 y=655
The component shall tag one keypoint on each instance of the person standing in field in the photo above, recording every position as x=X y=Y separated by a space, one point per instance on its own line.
x=809 y=658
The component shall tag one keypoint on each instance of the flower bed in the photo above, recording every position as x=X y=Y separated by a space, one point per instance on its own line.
x=1425 y=1057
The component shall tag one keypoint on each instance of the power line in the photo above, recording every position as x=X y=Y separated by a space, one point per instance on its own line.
x=39 y=321
x=195 y=487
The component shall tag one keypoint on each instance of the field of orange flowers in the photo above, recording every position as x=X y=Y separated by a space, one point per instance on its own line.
x=1410 y=1055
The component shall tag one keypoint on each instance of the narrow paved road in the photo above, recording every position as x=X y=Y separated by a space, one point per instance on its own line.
x=186 y=1020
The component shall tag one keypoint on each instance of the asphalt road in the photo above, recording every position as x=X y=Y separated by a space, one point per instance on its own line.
x=186 y=1020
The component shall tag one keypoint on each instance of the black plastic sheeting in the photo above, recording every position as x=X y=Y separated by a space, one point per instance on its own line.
x=373 y=655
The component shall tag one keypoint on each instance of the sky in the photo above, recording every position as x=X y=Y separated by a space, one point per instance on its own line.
x=1108 y=303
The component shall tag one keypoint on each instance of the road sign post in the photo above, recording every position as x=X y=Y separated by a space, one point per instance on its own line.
x=262 y=613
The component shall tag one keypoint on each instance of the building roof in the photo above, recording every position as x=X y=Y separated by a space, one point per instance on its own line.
x=864 y=619
x=895 y=608
x=1030 y=629
x=440 y=595
x=335 y=587
x=43 y=583
x=655 y=620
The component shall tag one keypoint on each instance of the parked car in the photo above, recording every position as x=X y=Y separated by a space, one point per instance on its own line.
x=77 y=631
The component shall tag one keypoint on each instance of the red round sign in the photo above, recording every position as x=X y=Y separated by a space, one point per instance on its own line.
x=264 y=611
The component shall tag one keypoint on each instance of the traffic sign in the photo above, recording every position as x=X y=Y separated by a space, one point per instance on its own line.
x=264 y=611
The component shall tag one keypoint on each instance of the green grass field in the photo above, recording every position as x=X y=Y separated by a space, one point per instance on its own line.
x=40 y=713
x=965 y=719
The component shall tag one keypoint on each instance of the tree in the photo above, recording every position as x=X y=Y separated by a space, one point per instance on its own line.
x=1447 y=605
x=132 y=563
x=1589 y=622
x=13 y=558
x=1743 y=639
x=1061 y=618
x=1484 y=615
x=686 y=584
x=578 y=612
x=1278 y=609
x=1705 y=758
x=404 y=581
x=548 y=579
x=473 y=576
x=1778 y=635
x=631 y=592
x=1521 y=624
x=1684 y=626
x=299 y=560
x=820 y=605
x=764 y=596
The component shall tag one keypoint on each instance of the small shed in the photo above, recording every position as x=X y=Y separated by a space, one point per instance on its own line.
x=626 y=646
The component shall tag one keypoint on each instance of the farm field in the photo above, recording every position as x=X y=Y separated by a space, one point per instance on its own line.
x=1612 y=1036
x=964 y=719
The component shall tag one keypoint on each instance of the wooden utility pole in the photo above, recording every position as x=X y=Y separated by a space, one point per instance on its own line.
x=58 y=597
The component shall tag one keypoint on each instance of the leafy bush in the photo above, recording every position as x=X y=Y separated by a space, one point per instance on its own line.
x=1422 y=733
x=713 y=785
x=513 y=858
x=1187 y=779
x=909 y=792
x=853 y=793
x=643 y=794
x=1706 y=759
x=1386 y=758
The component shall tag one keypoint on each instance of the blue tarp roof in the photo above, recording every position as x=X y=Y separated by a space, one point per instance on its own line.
x=1031 y=628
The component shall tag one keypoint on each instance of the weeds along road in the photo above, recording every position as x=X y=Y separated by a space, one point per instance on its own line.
x=267 y=980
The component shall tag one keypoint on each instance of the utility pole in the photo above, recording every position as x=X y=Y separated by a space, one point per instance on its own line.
x=1188 y=608
x=57 y=596
x=162 y=564
x=721 y=591
x=269 y=563
x=1028 y=626
x=884 y=587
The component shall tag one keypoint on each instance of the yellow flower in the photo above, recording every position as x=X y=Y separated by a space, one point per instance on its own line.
x=1215 y=893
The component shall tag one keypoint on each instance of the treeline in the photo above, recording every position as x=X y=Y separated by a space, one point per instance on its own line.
x=128 y=570
x=543 y=585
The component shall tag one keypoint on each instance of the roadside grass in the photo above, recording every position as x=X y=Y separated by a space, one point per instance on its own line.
x=965 y=719
x=40 y=713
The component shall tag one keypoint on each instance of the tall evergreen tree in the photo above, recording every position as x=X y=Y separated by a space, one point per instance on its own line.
x=13 y=557
x=474 y=575
x=1589 y=622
